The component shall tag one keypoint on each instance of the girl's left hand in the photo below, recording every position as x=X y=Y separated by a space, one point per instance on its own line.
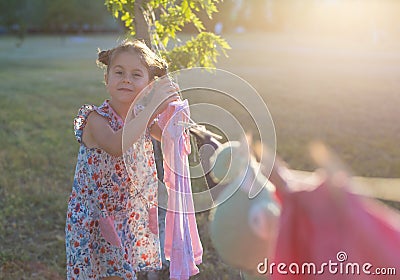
x=164 y=91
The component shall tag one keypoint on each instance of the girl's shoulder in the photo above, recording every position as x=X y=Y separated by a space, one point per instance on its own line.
x=81 y=118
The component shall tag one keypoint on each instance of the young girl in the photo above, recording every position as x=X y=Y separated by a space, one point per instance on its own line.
x=111 y=226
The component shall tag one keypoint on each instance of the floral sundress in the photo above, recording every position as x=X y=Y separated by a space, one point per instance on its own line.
x=104 y=187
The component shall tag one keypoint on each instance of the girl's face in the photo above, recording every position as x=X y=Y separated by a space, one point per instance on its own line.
x=126 y=78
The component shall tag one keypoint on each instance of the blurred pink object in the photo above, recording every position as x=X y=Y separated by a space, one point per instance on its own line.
x=182 y=242
x=346 y=236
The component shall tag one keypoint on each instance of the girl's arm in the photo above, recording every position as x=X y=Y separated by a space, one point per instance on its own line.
x=156 y=132
x=136 y=126
x=98 y=133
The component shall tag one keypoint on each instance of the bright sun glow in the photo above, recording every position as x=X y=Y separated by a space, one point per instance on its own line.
x=340 y=17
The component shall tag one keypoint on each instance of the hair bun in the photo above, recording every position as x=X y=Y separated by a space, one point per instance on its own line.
x=159 y=70
x=104 y=57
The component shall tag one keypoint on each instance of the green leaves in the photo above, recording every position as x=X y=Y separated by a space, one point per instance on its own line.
x=166 y=20
x=200 y=51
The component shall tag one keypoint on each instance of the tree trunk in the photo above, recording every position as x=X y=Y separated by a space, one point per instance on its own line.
x=141 y=27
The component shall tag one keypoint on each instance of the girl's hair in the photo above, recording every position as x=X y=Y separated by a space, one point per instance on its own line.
x=155 y=65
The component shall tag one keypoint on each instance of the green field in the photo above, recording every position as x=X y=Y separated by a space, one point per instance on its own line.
x=345 y=93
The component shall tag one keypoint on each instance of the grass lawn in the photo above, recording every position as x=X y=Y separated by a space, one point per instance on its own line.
x=345 y=93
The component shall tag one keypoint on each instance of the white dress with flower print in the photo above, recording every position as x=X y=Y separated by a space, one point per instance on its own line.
x=104 y=187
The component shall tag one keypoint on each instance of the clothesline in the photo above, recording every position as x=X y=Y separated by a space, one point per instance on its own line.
x=200 y=127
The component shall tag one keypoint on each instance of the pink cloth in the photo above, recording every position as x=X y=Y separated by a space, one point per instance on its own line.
x=182 y=242
x=331 y=224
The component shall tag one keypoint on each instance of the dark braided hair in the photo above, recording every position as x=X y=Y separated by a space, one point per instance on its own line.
x=156 y=66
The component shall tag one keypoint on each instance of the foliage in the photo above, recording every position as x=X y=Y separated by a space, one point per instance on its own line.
x=166 y=19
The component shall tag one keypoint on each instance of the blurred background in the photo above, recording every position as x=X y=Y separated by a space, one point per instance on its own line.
x=327 y=70
x=374 y=19
x=359 y=19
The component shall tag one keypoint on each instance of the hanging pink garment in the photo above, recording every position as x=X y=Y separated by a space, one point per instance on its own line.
x=357 y=238
x=182 y=243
